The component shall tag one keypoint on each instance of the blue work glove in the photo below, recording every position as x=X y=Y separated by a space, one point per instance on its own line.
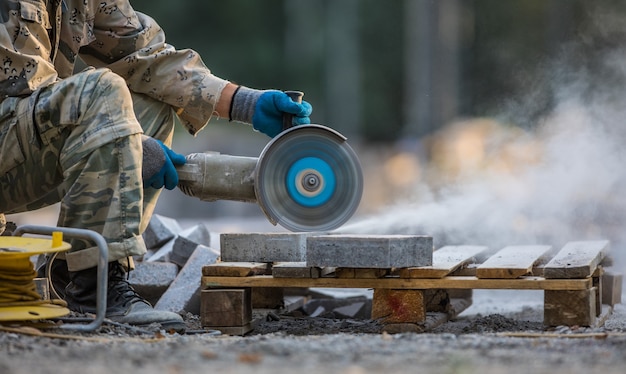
x=159 y=164
x=265 y=109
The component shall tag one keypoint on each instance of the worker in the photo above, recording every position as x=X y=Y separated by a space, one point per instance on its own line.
x=98 y=141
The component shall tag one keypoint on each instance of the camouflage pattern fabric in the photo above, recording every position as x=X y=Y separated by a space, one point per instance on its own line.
x=41 y=41
x=75 y=138
x=78 y=142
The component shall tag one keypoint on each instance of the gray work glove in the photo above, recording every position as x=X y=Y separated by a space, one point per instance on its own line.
x=159 y=164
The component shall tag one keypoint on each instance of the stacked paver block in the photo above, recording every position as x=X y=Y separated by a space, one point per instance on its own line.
x=369 y=251
x=371 y=256
x=263 y=247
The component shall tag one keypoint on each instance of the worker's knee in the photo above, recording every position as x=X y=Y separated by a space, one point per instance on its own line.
x=105 y=84
x=157 y=119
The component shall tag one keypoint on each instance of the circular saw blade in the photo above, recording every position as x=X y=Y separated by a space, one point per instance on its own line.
x=308 y=179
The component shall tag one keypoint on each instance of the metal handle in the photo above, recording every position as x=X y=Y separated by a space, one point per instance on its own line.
x=296 y=96
x=103 y=249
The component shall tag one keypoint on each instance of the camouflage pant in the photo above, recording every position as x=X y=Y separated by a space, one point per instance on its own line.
x=78 y=142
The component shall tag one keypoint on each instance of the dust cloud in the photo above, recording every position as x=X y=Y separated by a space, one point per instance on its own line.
x=562 y=179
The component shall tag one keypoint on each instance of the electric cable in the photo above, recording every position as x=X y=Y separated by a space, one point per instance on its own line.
x=17 y=285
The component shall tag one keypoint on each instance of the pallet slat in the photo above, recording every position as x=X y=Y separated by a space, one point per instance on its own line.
x=523 y=283
x=572 y=280
x=576 y=260
x=445 y=260
x=512 y=261
x=235 y=269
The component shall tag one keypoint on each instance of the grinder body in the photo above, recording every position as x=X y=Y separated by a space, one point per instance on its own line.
x=212 y=176
x=306 y=179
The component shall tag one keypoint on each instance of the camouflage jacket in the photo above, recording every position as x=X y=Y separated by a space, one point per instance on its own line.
x=40 y=41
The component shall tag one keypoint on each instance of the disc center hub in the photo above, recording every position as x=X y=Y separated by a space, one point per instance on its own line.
x=311 y=182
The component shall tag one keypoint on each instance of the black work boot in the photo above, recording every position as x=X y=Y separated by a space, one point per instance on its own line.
x=124 y=305
x=59 y=275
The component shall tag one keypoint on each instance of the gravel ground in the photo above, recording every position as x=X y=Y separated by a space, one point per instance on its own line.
x=479 y=341
x=497 y=334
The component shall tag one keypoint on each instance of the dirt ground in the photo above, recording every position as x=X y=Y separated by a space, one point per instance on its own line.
x=499 y=333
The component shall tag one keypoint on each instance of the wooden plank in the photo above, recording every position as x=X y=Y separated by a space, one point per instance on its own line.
x=445 y=260
x=225 y=307
x=398 y=306
x=294 y=270
x=611 y=287
x=570 y=308
x=512 y=261
x=469 y=269
x=361 y=272
x=596 y=283
x=577 y=259
x=543 y=261
x=433 y=319
x=523 y=283
x=235 y=269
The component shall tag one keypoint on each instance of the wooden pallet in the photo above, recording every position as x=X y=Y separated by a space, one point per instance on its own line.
x=406 y=299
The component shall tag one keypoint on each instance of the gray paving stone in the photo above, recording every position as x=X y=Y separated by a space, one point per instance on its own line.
x=187 y=241
x=161 y=254
x=151 y=279
x=263 y=247
x=179 y=248
x=355 y=310
x=160 y=230
x=369 y=251
x=183 y=295
x=359 y=308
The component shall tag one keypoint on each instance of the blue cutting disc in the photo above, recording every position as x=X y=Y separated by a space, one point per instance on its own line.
x=310 y=181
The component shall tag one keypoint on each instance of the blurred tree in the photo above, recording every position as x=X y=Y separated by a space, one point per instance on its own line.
x=514 y=42
x=388 y=69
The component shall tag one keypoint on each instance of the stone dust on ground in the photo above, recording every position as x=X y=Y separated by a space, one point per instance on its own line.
x=482 y=341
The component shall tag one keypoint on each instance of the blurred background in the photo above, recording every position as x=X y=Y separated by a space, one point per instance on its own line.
x=476 y=121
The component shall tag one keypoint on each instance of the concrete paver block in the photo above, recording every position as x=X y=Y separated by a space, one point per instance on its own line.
x=187 y=241
x=358 y=308
x=263 y=247
x=151 y=279
x=353 y=311
x=369 y=251
x=161 y=254
x=179 y=248
x=183 y=295
x=160 y=230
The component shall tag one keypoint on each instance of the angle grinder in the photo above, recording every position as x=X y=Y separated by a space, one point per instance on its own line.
x=307 y=178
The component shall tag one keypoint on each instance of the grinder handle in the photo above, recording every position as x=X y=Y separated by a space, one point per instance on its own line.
x=296 y=96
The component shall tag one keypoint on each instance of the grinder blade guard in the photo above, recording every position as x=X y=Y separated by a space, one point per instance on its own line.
x=308 y=179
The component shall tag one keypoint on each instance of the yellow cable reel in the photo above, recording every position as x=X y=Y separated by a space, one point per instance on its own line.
x=18 y=299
